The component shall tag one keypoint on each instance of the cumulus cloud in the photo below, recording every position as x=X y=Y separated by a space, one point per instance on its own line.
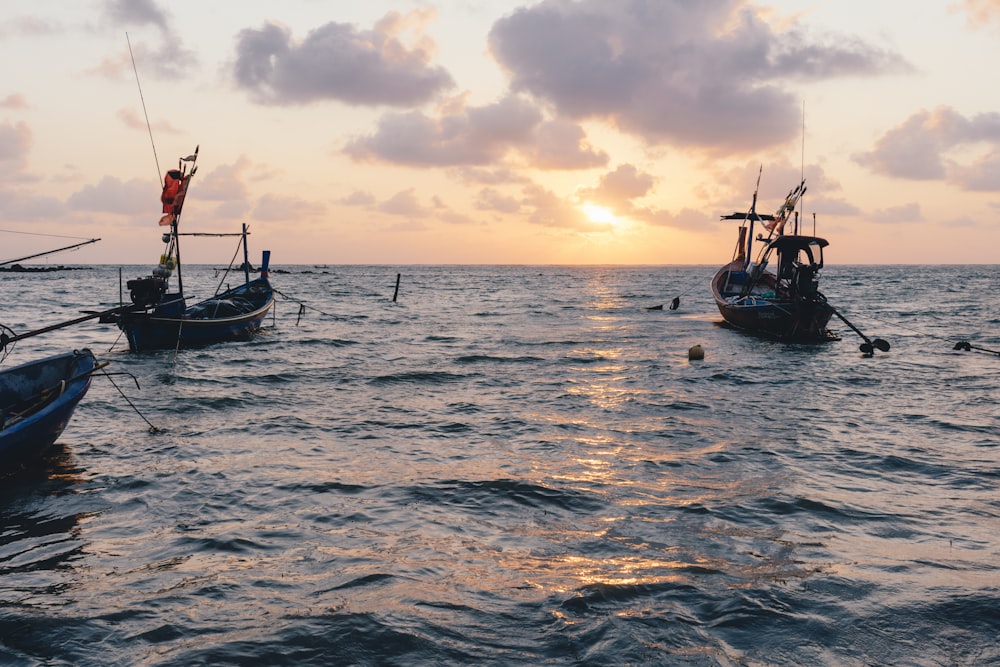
x=136 y=12
x=133 y=120
x=982 y=12
x=29 y=26
x=112 y=195
x=897 y=214
x=168 y=60
x=15 y=142
x=15 y=101
x=619 y=186
x=705 y=74
x=358 y=198
x=926 y=146
x=490 y=176
x=544 y=207
x=339 y=61
x=560 y=144
x=478 y=136
x=491 y=199
x=226 y=182
x=23 y=206
x=281 y=208
x=404 y=204
x=617 y=191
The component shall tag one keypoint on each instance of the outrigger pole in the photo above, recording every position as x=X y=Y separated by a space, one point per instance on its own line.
x=49 y=252
x=6 y=339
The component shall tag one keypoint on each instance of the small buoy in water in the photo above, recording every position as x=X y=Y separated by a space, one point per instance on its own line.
x=696 y=353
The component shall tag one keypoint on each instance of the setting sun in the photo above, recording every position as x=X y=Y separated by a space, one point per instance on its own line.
x=598 y=214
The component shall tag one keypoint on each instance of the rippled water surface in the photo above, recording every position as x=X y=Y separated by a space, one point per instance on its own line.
x=516 y=465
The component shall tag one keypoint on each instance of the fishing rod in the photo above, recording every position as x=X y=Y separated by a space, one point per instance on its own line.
x=49 y=252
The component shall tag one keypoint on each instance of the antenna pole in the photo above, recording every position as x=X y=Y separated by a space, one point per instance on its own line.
x=142 y=99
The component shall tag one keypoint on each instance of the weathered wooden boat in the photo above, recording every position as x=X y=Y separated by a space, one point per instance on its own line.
x=161 y=319
x=37 y=400
x=784 y=303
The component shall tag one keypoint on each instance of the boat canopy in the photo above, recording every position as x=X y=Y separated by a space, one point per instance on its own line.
x=793 y=242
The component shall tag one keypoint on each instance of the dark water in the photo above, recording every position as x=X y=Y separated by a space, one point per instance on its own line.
x=517 y=465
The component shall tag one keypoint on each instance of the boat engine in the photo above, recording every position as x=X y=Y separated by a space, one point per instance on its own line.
x=147 y=291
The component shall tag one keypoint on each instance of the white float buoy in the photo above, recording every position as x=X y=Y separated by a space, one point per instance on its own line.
x=696 y=353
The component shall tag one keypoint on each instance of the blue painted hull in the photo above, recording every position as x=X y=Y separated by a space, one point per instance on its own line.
x=37 y=400
x=202 y=324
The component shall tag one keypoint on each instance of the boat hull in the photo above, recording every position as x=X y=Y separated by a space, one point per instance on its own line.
x=765 y=313
x=37 y=401
x=155 y=330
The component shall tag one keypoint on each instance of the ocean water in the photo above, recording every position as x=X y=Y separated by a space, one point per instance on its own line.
x=512 y=466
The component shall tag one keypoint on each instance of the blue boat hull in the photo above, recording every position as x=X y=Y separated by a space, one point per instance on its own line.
x=37 y=400
x=201 y=324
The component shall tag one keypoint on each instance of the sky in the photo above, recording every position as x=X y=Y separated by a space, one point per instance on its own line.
x=500 y=132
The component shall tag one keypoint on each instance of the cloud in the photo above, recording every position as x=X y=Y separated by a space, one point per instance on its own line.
x=132 y=120
x=490 y=176
x=338 y=61
x=478 y=136
x=21 y=206
x=700 y=74
x=280 y=208
x=169 y=60
x=136 y=12
x=404 y=204
x=226 y=182
x=14 y=102
x=619 y=186
x=687 y=218
x=490 y=199
x=112 y=195
x=982 y=12
x=929 y=145
x=897 y=214
x=358 y=198
x=560 y=144
x=617 y=191
x=544 y=207
x=29 y=26
x=15 y=142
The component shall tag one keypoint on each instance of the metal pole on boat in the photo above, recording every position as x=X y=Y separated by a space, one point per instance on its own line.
x=177 y=249
x=246 y=256
x=869 y=346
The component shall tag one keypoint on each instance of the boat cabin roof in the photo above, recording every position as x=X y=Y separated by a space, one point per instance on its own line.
x=792 y=242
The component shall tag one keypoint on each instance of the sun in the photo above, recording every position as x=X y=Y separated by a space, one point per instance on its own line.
x=598 y=214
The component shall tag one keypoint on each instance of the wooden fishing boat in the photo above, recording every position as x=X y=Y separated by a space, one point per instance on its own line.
x=37 y=400
x=161 y=319
x=784 y=303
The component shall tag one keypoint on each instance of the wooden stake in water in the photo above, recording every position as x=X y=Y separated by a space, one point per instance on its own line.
x=396 y=290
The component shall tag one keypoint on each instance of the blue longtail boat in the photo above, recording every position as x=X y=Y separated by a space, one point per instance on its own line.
x=784 y=303
x=37 y=400
x=161 y=319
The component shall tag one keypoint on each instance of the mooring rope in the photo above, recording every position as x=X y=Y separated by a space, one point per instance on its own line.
x=958 y=344
x=152 y=429
x=302 y=305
